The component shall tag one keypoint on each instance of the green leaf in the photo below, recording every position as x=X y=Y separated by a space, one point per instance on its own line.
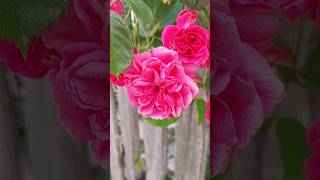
x=165 y=13
x=154 y=29
x=201 y=106
x=311 y=71
x=121 y=48
x=142 y=10
x=204 y=18
x=294 y=150
x=162 y=122
x=264 y=129
x=206 y=84
x=23 y=19
x=138 y=165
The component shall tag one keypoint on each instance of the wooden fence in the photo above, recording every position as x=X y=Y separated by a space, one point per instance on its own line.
x=142 y=151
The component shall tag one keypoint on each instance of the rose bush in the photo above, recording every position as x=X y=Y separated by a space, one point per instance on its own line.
x=162 y=81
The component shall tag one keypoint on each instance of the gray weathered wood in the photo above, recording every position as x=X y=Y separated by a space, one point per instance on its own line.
x=52 y=154
x=156 y=150
x=9 y=149
x=191 y=148
x=129 y=125
x=116 y=147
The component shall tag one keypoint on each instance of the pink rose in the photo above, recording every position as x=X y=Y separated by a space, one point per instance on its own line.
x=116 y=6
x=245 y=90
x=157 y=84
x=187 y=17
x=188 y=39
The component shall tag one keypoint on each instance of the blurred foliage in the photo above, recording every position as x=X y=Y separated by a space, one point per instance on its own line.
x=311 y=71
x=23 y=19
x=294 y=150
x=165 y=12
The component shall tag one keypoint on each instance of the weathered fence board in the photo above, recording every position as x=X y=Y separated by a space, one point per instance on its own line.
x=191 y=148
x=129 y=126
x=156 y=151
x=9 y=150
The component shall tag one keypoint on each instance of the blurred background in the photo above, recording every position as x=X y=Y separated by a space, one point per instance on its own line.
x=279 y=150
x=33 y=146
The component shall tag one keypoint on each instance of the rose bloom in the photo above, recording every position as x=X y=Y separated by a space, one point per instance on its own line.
x=157 y=84
x=187 y=38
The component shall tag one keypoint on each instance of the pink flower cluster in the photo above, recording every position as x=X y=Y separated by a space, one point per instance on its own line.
x=73 y=53
x=312 y=164
x=244 y=88
x=160 y=82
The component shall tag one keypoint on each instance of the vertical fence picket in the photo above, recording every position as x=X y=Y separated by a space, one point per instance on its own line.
x=156 y=150
x=129 y=125
x=191 y=148
x=116 y=148
x=9 y=159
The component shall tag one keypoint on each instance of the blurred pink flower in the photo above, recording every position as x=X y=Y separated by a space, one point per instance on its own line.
x=79 y=73
x=116 y=6
x=245 y=89
x=187 y=38
x=118 y=81
x=32 y=65
x=292 y=9
x=157 y=84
